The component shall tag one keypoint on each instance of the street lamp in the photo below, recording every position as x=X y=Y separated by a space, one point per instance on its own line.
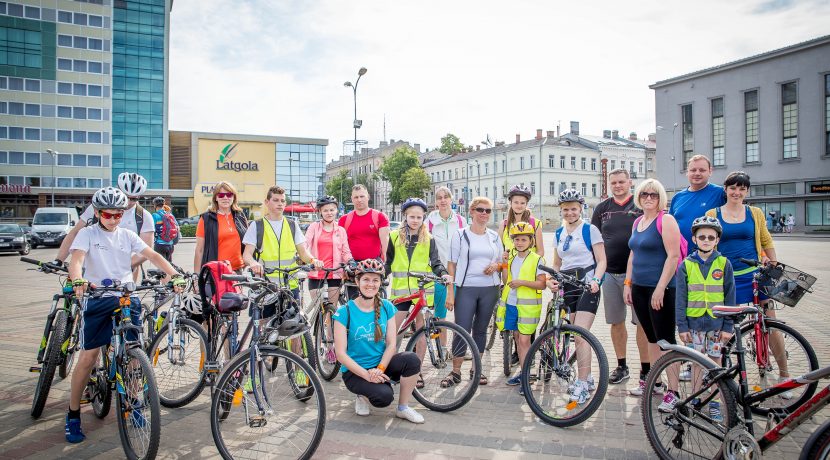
x=673 y=163
x=54 y=155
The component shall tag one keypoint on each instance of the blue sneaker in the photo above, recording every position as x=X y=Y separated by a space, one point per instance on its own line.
x=137 y=416
x=513 y=381
x=73 y=430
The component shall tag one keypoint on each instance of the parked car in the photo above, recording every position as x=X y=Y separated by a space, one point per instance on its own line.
x=27 y=229
x=188 y=220
x=13 y=239
x=50 y=225
x=393 y=224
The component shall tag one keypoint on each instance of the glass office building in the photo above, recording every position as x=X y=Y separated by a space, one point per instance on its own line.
x=139 y=89
x=300 y=168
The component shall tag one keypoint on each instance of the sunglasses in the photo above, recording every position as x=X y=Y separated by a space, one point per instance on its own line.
x=652 y=195
x=483 y=210
x=224 y=195
x=111 y=215
x=133 y=198
x=706 y=237
x=567 y=244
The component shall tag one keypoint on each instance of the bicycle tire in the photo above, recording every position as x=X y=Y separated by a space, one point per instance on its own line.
x=71 y=345
x=546 y=368
x=507 y=351
x=492 y=332
x=126 y=408
x=817 y=446
x=100 y=390
x=673 y=449
x=302 y=391
x=443 y=364
x=167 y=396
x=327 y=369
x=229 y=385
x=748 y=333
x=49 y=365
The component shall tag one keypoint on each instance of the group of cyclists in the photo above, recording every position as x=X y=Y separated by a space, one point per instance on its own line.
x=633 y=251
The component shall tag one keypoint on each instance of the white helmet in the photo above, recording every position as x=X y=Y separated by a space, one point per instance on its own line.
x=132 y=184
x=109 y=198
x=192 y=304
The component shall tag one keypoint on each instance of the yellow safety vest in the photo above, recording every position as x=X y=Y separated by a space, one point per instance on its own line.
x=278 y=253
x=402 y=284
x=507 y=242
x=528 y=300
x=704 y=292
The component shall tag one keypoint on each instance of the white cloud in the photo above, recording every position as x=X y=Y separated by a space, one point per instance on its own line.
x=467 y=67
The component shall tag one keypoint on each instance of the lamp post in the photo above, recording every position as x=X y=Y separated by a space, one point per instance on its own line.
x=54 y=155
x=356 y=124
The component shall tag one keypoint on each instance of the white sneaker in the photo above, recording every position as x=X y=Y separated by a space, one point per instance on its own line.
x=410 y=414
x=362 y=406
x=641 y=388
x=581 y=393
x=669 y=401
x=787 y=394
x=686 y=376
x=592 y=385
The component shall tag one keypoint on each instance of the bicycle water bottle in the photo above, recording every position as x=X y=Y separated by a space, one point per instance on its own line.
x=160 y=320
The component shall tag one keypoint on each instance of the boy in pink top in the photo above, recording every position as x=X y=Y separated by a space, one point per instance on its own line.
x=327 y=242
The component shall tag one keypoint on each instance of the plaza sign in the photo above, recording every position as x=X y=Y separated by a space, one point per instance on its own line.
x=11 y=188
x=224 y=163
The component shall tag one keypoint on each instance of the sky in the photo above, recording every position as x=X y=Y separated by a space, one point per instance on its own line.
x=467 y=67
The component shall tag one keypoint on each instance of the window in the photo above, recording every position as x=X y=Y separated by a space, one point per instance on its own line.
x=789 y=93
x=583 y=163
x=79 y=89
x=93 y=183
x=818 y=212
x=65 y=17
x=15 y=84
x=532 y=161
x=32 y=158
x=96 y=21
x=79 y=65
x=687 y=133
x=64 y=182
x=64 y=159
x=622 y=164
x=15 y=108
x=93 y=160
x=80 y=19
x=551 y=162
x=4 y=158
x=95 y=90
x=718 y=154
x=522 y=163
x=15 y=133
x=65 y=40
x=64 y=111
x=552 y=188
x=573 y=185
x=533 y=188
x=32 y=134
x=79 y=182
x=79 y=42
x=93 y=137
x=486 y=171
x=32 y=181
x=95 y=44
x=593 y=189
x=486 y=191
x=613 y=164
x=95 y=67
x=64 y=88
x=32 y=12
x=640 y=166
x=648 y=164
x=16 y=158
x=79 y=113
x=562 y=162
x=79 y=137
x=65 y=64
x=33 y=110
x=584 y=189
x=593 y=164
x=64 y=135
x=573 y=162
x=562 y=187
x=751 y=135
x=78 y=160
x=503 y=165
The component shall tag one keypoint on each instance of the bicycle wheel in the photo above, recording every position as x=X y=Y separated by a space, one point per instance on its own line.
x=50 y=363
x=300 y=380
x=98 y=386
x=818 y=446
x=437 y=364
x=507 y=350
x=139 y=412
x=70 y=347
x=551 y=376
x=492 y=332
x=179 y=364
x=284 y=427
x=693 y=428
x=327 y=363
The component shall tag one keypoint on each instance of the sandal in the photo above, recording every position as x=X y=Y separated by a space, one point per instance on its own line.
x=482 y=380
x=420 y=383
x=451 y=380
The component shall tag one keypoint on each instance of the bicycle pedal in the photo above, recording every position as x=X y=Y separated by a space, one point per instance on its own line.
x=257 y=421
x=212 y=367
x=35 y=369
x=85 y=401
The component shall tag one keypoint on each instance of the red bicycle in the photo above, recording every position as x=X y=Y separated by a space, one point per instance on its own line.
x=437 y=354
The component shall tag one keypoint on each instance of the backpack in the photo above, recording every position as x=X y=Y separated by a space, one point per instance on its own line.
x=139 y=218
x=684 y=245
x=211 y=285
x=586 y=236
x=375 y=219
x=169 y=228
x=260 y=233
x=457 y=216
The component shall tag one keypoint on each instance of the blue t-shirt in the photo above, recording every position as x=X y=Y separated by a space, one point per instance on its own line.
x=361 y=345
x=649 y=256
x=158 y=218
x=686 y=206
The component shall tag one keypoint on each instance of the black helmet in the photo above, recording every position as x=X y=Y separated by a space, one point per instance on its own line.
x=289 y=323
x=158 y=201
x=413 y=202
x=328 y=199
x=520 y=190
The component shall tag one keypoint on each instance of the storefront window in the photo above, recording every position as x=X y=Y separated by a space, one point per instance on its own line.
x=818 y=212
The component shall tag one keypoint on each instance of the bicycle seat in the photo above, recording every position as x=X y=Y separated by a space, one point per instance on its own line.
x=156 y=273
x=722 y=311
x=231 y=302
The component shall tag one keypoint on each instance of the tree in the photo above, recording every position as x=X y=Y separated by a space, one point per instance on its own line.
x=450 y=144
x=340 y=187
x=414 y=183
x=394 y=169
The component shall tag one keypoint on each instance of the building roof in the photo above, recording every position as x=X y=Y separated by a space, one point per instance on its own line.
x=499 y=149
x=746 y=61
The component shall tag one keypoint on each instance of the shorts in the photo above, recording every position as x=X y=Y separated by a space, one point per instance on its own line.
x=440 y=301
x=511 y=318
x=576 y=299
x=97 y=320
x=271 y=309
x=707 y=342
x=317 y=284
x=166 y=250
x=615 y=307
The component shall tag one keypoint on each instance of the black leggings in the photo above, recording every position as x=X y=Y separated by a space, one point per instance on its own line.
x=657 y=324
x=403 y=364
x=473 y=309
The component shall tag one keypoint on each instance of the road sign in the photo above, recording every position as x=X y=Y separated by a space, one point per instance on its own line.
x=454 y=206
x=461 y=201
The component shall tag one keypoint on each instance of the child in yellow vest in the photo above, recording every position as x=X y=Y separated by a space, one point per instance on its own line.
x=704 y=279
x=521 y=299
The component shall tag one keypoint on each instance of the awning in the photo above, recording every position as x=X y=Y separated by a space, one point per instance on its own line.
x=295 y=208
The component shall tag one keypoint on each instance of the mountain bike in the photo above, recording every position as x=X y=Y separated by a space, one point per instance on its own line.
x=257 y=409
x=436 y=357
x=320 y=313
x=126 y=368
x=563 y=357
x=60 y=337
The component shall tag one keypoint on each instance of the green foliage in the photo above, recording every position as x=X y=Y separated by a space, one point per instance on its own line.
x=450 y=144
x=188 y=230
x=414 y=183
x=394 y=168
x=340 y=187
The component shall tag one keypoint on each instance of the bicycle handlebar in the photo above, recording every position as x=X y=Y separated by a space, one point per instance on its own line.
x=563 y=278
x=290 y=270
x=751 y=262
x=43 y=265
x=427 y=278
x=236 y=278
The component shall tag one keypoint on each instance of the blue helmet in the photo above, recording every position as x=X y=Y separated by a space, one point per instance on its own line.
x=413 y=202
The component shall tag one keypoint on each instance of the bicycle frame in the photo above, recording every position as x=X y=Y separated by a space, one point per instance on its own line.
x=421 y=302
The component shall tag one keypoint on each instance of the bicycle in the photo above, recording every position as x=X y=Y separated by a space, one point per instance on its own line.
x=549 y=376
x=60 y=337
x=250 y=396
x=126 y=368
x=152 y=316
x=426 y=341
x=321 y=311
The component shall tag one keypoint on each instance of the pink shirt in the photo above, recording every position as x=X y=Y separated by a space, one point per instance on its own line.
x=330 y=247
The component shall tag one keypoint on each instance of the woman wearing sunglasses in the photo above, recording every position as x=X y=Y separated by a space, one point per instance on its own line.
x=220 y=230
x=649 y=278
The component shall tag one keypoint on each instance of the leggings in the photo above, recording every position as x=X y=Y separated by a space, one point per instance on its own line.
x=473 y=309
x=657 y=324
x=404 y=364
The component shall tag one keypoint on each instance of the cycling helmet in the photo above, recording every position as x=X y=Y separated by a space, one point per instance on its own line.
x=707 y=222
x=569 y=196
x=410 y=202
x=132 y=184
x=369 y=266
x=520 y=190
x=522 y=228
x=328 y=199
x=158 y=201
x=109 y=198
x=288 y=323
x=192 y=304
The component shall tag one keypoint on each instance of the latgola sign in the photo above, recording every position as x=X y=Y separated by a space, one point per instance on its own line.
x=224 y=163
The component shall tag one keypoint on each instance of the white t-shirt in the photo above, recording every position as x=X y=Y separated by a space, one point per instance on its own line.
x=107 y=253
x=276 y=225
x=577 y=255
x=128 y=221
x=484 y=250
x=515 y=270
x=443 y=231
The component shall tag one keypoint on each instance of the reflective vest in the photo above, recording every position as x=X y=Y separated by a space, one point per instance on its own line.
x=507 y=242
x=278 y=253
x=402 y=284
x=704 y=292
x=528 y=300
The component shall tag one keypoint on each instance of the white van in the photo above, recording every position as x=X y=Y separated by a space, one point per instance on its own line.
x=50 y=225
